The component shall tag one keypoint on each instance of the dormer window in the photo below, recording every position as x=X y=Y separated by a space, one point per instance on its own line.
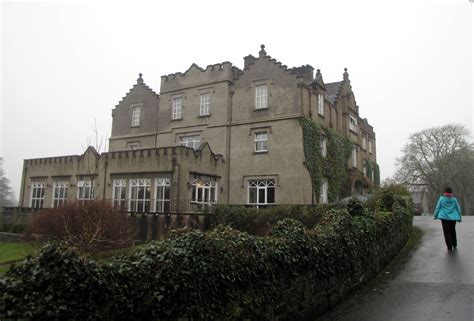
x=261 y=97
x=136 y=116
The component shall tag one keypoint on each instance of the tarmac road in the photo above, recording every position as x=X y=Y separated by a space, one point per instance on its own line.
x=434 y=285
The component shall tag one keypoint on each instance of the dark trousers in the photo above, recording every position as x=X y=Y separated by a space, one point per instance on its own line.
x=449 y=231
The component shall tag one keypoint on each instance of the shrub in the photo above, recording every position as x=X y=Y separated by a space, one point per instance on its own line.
x=260 y=221
x=89 y=227
x=223 y=274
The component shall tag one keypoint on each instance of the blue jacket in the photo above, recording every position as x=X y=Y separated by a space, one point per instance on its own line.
x=448 y=208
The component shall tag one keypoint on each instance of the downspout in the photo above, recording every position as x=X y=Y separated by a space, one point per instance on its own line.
x=22 y=190
x=105 y=176
x=228 y=143
x=176 y=165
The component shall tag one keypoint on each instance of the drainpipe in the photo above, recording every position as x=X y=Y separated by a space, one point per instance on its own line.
x=176 y=165
x=228 y=143
x=105 y=176
x=22 y=190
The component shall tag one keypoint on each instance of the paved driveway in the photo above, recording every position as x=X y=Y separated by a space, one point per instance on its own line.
x=435 y=285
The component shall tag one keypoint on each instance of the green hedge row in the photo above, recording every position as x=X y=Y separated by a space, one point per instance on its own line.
x=223 y=274
x=260 y=221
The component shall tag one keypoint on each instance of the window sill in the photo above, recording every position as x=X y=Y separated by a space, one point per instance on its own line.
x=321 y=115
x=204 y=116
x=260 y=109
x=260 y=152
x=135 y=126
x=177 y=119
x=354 y=131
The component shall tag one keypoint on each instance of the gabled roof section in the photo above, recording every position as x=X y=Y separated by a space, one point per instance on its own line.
x=332 y=90
x=140 y=83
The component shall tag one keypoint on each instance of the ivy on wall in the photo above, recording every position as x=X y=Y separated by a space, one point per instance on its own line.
x=377 y=175
x=368 y=165
x=334 y=165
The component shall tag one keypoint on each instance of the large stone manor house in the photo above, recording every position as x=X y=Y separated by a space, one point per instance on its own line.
x=219 y=135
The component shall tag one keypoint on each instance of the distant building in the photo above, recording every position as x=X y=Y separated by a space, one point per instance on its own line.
x=421 y=200
x=216 y=135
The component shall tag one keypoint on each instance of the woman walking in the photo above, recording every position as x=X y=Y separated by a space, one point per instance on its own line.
x=448 y=211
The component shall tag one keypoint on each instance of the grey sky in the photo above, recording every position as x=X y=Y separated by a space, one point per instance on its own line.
x=65 y=65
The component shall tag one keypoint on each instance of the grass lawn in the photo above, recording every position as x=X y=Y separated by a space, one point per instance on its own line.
x=14 y=252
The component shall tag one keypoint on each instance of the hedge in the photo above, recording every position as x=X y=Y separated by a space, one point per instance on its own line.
x=224 y=274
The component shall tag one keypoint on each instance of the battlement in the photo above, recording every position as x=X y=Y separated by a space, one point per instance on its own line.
x=196 y=76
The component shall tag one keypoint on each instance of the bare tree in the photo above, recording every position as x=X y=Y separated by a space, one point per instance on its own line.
x=6 y=192
x=439 y=157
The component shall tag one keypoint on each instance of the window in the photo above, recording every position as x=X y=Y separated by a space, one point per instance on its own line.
x=205 y=106
x=85 y=190
x=365 y=170
x=60 y=193
x=162 y=195
x=140 y=195
x=261 y=191
x=177 y=108
x=261 y=97
x=364 y=141
x=370 y=146
x=261 y=140
x=354 y=156
x=37 y=194
x=136 y=116
x=204 y=191
x=191 y=141
x=120 y=194
x=321 y=104
x=323 y=191
x=353 y=123
x=323 y=145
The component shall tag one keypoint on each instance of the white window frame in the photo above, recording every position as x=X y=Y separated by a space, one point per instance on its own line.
x=177 y=108
x=191 y=141
x=259 y=185
x=323 y=146
x=261 y=141
x=205 y=104
x=119 y=194
x=261 y=96
x=136 y=111
x=204 y=192
x=136 y=203
x=85 y=190
x=354 y=156
x=353 y=123
x=321 y=104
x=37 y=194
x=370 y=146
x=162 y=195
x=323 y=191
x=60 y=198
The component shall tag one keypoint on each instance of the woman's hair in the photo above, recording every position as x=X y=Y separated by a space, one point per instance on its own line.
x=448 y=190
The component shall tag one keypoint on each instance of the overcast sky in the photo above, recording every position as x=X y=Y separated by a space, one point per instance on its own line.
x=66 y=65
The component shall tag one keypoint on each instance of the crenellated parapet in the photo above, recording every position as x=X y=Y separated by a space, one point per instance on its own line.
x=196 y=76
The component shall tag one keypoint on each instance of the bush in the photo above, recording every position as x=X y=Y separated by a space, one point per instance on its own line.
x=90 y=227
x=260 y=221
x=223 y=274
